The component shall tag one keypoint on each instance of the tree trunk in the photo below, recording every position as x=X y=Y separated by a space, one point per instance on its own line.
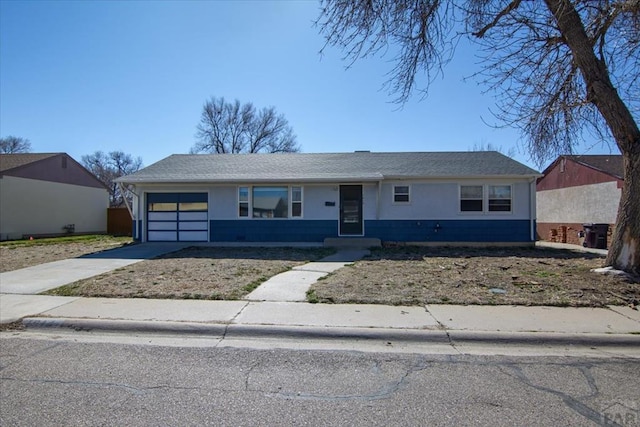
x=624 y=253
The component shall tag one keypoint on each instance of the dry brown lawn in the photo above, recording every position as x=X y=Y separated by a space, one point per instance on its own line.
x=195 y=273
x=16 y=255
x=418 y=276
x=400 y=276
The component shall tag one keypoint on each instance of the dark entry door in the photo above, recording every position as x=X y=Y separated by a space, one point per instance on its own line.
x=351 y=210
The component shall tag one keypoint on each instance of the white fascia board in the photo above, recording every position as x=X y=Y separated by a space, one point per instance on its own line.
x=458 y=177
x=256 y=180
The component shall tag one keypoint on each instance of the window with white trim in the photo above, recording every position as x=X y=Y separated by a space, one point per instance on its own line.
x=243 y=201
x=296 y=202
x=499 y=198
x=471 y=198
x=401 y=194
x=270 y=202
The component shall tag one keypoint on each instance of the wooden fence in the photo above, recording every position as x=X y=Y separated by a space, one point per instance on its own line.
x=119 y=222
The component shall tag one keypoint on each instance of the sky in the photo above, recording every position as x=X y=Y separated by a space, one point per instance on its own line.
x=133 y=76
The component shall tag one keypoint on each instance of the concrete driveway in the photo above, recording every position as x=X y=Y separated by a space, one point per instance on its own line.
x=39 y=278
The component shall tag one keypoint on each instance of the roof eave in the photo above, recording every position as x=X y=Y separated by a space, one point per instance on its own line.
x=318 y=180
x=248 y=180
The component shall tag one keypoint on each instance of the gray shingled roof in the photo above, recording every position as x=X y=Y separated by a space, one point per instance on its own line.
x=13 y=161
x=358 y=166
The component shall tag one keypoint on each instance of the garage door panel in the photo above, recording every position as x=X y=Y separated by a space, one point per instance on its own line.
x=193 y=225
x=193 y=216
x=163 y=216
x=194 y=236
x=169 y=236
x=162 y=225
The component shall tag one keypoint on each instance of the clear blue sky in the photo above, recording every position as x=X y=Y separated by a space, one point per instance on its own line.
x=78 y=77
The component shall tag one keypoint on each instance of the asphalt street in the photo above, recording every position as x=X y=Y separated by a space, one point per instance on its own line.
x=57 y=381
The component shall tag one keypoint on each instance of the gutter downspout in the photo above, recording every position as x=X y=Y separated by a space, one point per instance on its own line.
x=532 y=208
x=379 y=188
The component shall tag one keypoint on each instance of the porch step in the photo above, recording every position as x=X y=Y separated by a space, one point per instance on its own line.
x=352 y=242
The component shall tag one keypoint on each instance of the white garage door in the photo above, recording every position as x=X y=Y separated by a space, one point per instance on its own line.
x=177 y=217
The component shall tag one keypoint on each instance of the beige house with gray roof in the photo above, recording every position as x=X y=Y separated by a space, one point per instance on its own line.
x=49 y=194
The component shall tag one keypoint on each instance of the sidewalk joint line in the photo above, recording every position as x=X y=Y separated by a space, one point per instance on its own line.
x=443 y=328
x=621 y=314
x=226 y=327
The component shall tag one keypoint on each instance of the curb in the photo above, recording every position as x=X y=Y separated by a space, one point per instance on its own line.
x=230 y=331
x=544 y=338
x=331 y=332
x=146 y=326
x=434 y=336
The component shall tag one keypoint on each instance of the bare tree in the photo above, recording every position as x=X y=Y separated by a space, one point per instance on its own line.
x=108 y=167
x=231 y=127
x=511 y=152
x=561 y=68
x=14 y=144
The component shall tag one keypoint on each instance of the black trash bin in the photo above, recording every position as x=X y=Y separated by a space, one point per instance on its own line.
x=589 y=236
x=601 y=235
x=595 y=235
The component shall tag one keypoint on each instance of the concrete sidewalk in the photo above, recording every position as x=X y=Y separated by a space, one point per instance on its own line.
x=568 y=246
x=433 y=323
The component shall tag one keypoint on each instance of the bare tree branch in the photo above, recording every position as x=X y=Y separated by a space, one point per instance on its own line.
x=14 y=144
x=108 y=167
x=238 y=128
x=513 y=5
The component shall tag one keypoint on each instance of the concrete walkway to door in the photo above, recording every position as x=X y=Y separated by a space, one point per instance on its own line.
x=293 y=285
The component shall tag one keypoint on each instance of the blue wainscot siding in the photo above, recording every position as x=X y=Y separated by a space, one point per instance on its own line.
x=481 y=231
x=272 y=231
x=137 y=230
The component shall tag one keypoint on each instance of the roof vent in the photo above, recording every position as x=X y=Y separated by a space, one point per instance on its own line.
x=362 y=151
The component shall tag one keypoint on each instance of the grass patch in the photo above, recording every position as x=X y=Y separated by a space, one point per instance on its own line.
x=253 y=285
x=312 y=297
x=89 y=238
x=439 y=275
x=195 y=273
x=65 y=290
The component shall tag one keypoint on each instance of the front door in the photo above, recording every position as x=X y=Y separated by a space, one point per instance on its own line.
x=351 y=210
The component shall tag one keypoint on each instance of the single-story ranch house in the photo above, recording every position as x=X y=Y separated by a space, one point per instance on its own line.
x=427 y=198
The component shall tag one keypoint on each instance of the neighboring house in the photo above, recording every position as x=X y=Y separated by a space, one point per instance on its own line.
x=49 y=194
x=428 y=198
x=577 y=190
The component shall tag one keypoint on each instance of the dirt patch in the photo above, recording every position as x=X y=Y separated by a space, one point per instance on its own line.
x=418 y=276
x=13 y=326
x=195 y=273
x=14 y=256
